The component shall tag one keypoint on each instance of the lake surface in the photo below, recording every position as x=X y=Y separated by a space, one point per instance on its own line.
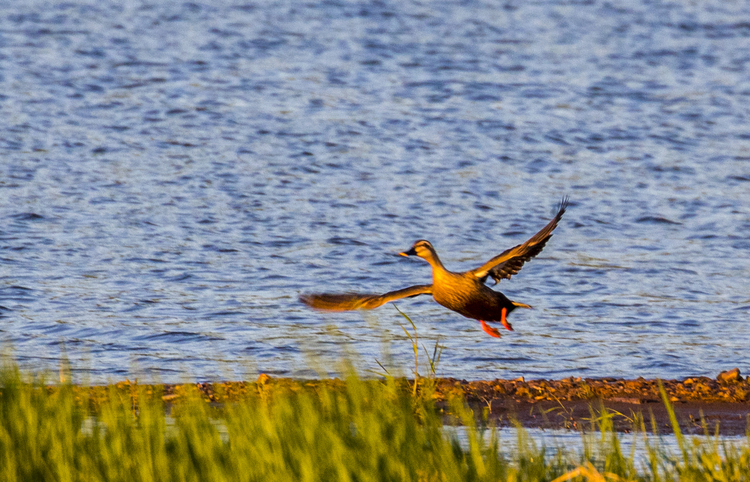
x=174 y=175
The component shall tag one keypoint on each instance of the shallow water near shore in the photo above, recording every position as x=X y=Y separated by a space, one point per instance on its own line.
x=174 y=176
x=567 y=441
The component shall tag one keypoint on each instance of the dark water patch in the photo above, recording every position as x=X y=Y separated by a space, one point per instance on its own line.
x=500 y=359
x=345 y=241
x=156 y=365
x=178 y=337
x=26 y=217
x=281 y=348
x=649 y=365
x=556 y=374
x=707 y=236
x=690 y=323
x=494 y=126
x=672 y=169
x=684 y=270
x=19 y=288
x=141 y=260
x=279 y=372
x=53 y=329
x=715 y=30
x=18 y=294
x=655 y=220
x=224 y=313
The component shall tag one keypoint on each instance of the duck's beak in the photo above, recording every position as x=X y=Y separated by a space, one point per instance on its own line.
x=411 y=252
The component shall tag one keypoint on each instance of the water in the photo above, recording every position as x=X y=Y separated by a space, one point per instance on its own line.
x=573 y=444
x=174 y=175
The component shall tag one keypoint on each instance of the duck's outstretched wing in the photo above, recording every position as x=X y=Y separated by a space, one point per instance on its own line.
x=354 y=301
x=510 y=261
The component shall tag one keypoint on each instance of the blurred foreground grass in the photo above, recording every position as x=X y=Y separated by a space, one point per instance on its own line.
x=364 y=430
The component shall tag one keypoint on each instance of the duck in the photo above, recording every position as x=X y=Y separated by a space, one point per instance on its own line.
x=465 y=292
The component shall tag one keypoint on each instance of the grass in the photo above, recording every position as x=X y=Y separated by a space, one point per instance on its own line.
x=428 y=383
x=365 y=430
x=370 y=430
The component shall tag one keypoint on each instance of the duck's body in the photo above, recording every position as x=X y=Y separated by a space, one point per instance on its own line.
x=465 y=293
x=474 y=300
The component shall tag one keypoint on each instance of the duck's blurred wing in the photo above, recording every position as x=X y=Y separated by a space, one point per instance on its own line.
x=510 y=261
x=354 y=301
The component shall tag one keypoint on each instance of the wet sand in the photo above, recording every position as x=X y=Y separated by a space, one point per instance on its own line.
x=730 y=417
x=699 y=403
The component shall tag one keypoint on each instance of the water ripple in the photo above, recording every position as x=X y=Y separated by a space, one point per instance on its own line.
x=173 y=177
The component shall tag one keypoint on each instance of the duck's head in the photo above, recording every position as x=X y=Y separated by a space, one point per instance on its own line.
x=421 y=248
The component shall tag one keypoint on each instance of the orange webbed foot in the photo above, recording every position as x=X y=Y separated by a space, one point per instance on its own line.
x=489 y=330
x=504 y=321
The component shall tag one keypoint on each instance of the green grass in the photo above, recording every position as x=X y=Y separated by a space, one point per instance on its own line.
x=364 y=430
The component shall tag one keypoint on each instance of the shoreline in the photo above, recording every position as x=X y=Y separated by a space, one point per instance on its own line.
x=699 y=403
x=571 y=403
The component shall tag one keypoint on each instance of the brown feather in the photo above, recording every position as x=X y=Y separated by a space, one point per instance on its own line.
x=510 y=261
x=361 y=301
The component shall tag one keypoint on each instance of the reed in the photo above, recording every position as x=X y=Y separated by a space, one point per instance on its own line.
x=363 y=430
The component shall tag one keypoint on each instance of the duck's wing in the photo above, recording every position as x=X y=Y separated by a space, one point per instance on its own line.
x=510 y=261
x=354 y=301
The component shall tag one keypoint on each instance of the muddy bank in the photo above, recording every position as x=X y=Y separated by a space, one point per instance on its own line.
x=572 y=403
x=559 y=404
x=731 y=418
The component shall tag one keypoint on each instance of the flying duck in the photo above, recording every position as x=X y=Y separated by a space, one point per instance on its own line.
x=465 y=293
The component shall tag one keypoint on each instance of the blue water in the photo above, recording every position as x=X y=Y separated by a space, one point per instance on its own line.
x=173 y=175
